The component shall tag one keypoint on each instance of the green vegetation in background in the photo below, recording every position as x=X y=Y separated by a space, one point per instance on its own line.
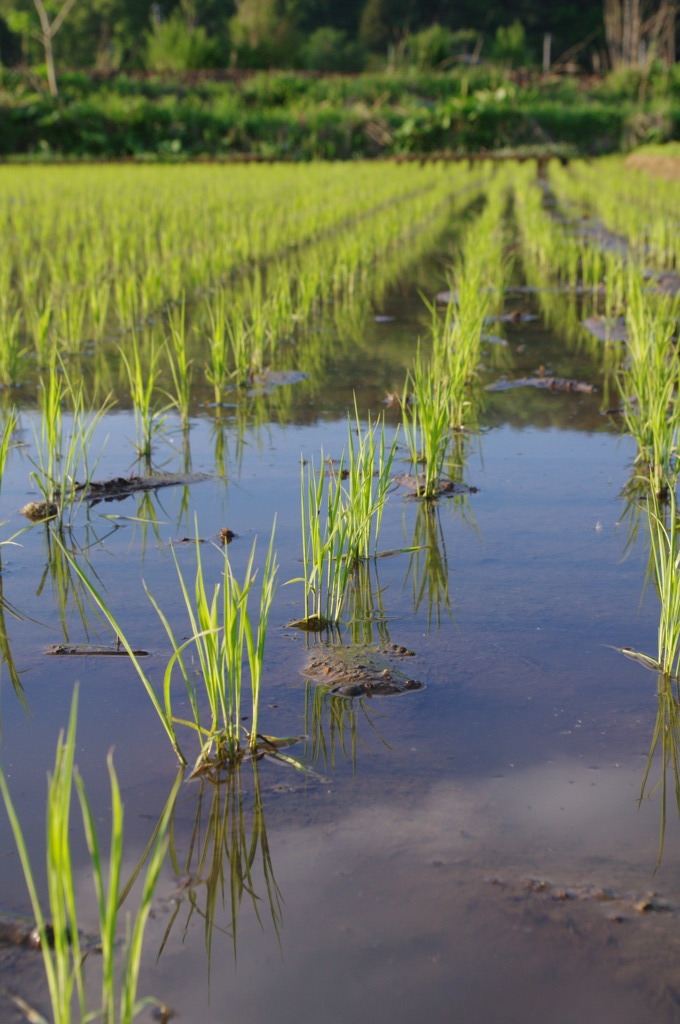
x=287 y=115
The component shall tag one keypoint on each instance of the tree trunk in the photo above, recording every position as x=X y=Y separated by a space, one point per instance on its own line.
x=47 y=33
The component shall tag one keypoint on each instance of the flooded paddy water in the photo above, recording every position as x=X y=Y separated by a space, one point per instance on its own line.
x=472 y=849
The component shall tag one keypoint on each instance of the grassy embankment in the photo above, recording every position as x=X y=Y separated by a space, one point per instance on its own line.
x=289 y=115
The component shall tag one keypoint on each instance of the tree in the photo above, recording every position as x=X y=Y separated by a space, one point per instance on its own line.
x=48 y=30
x=635 y=31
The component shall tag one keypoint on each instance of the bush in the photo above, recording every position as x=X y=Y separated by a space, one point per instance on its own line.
x=329 y=49
x=171 y=46
x=510 y=46
x=432 y=47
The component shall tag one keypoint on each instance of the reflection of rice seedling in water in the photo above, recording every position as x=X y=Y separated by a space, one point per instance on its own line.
x=666 y=739
x=63 y=949
x=428 y=565
x=664 y=569
x=227 y=850
x=332 y=726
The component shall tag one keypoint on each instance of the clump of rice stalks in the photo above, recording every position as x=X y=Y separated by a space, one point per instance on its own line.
x=64 y=949
x=341 y=517
x=664 y=570
x=224 y=637
x=63 y=463
x=427 y=425
x=649 y=384
x=142 y=379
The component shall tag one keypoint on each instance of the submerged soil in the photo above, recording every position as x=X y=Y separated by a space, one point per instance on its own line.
x=437 y=856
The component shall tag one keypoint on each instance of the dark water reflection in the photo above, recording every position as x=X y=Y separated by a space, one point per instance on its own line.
x=390 y=883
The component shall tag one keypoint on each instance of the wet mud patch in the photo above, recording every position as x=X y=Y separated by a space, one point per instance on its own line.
x=607 y=328
x=96 y=650
x=415 y=486
x=361 y=671
x=267 y=382
x=115 y=489
x=563 y=385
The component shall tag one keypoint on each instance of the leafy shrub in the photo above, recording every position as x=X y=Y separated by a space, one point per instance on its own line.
x=171 y=46
x=510 y=45
x=329 y=49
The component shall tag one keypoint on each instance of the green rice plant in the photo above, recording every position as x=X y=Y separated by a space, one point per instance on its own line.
x=649 y=383
x=217 y=371
x=664 y=534
x=126 y=297
x=664 y=572
x=61 y=943
x=9 y=425
x=64 y=464
x=99 y=299
x=181 y=367
x=142 y=381
x=12 y=351
x=39 y=321
x=72 y=321
x=222 y=633
x=341 y=517
x=369 y=473
x=426 y=425
x=223 y=636
x=326 y=572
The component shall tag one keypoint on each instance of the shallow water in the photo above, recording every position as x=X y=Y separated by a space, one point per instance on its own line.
x=397 y=871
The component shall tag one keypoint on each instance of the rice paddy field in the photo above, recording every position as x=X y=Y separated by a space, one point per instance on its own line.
x=340 y=609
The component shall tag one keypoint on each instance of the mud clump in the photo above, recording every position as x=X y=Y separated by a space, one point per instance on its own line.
x=360 y=671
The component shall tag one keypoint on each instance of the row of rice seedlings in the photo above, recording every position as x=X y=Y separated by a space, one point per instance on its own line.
x=554 y=250
x=63 y=950
x=634 y=204
x=341 y=513
x=339 y=269
x=441 y=388
x=223 y=635
x=168 y=233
